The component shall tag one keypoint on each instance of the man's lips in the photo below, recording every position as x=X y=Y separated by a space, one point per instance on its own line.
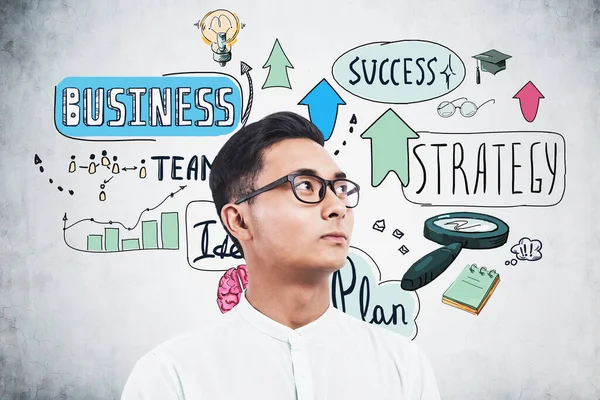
x=338 y=237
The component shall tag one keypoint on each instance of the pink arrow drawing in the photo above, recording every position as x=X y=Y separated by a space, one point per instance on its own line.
x=529 y=99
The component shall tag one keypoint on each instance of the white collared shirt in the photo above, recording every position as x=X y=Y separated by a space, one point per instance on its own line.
x=249 y=356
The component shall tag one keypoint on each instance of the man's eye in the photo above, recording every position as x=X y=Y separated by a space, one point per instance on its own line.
x=304 y=185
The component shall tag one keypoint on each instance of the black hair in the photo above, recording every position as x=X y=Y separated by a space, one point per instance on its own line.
x=240 y=161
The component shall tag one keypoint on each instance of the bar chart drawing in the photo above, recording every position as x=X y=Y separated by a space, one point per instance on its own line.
x=157 y=231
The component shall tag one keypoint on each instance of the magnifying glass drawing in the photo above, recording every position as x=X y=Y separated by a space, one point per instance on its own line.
x=456 y=231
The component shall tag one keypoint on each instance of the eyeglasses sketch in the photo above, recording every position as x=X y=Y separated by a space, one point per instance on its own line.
x=467 y=109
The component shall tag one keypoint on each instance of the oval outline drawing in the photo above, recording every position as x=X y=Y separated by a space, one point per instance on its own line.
x=383 y=43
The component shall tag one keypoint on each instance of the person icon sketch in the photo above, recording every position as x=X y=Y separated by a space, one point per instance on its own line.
x=102 y=195
x=115 y=169
x=289 y=209
x=143 y=169
x=72 y=165
x=105 y=160
x=92 y=166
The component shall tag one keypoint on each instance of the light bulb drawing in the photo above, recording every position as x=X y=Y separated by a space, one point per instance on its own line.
x=220 y=29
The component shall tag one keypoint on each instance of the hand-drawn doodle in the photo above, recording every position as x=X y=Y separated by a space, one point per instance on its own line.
x=37 y=160
x=153 y=235
x=422 y=73
x=278 y=63
x=116 y=169
x=472 y=289
x=323 y=103
x=397 y=234
x=337 y=151
x=220 y=29
x=491 y=61
x=456 y=231
x=245 y=70
x=102 y=195
x=403 y=250
x=202 y=226
x=231 y=287
x=105 y=159
x=487 y=169
x=352 y=122
x=191 y=171
x=467 y=109
x=142 y=173
x=529 y=101
x=142 y=108
x=72 y=165
x=93 y=164
x=379 y=225
x=390 y=137
x=448 y=71
x=526 y=250
x=357 y=290
x=111 y=166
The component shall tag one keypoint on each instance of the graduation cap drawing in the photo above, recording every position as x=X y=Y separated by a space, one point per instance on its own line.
x=492 y=61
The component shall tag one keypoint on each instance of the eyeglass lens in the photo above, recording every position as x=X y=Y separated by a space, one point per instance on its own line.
x=310 y=189
x=447 y=109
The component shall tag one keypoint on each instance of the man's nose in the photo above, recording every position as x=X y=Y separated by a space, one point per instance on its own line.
x=333 y=204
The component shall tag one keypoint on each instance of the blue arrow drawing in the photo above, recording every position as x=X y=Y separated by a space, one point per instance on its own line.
x=322 y=102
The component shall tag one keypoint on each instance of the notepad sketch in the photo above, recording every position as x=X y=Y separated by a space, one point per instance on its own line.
x=472 y=289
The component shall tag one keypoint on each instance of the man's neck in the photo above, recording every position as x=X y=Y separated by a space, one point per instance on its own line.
x=293 y=305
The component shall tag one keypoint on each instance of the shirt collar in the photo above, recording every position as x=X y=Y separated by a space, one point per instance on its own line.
x=279 y=331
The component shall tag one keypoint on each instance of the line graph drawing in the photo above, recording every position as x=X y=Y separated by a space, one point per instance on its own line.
x=156 y=233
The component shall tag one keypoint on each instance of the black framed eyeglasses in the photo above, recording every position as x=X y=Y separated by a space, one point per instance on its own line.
x=311 y=189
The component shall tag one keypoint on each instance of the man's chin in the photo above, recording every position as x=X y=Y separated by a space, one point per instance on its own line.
x=334 y=262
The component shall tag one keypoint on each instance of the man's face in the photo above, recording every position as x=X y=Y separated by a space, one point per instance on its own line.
x=293 y=234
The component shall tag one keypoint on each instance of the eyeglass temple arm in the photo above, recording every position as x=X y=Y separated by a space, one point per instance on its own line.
x=263 y=189
x=485 y=102
x=354 y=190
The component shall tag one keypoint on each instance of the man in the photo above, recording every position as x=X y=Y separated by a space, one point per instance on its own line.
x=289 y=209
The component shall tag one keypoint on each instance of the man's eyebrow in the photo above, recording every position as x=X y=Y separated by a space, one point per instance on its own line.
x=310 y=171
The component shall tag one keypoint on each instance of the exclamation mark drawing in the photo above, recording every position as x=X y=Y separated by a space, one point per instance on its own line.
x=352 y=122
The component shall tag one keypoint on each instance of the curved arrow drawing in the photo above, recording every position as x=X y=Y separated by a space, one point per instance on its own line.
x=245 y=70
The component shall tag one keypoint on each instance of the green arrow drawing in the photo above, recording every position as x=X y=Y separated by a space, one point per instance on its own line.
x=278 y=64
x=389 y=136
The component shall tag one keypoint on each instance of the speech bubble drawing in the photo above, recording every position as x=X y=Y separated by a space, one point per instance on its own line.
x=356 y=289
x=187 y=104
x=487 y=169
x=209 y=246
x=400 y=72
x=527 y=249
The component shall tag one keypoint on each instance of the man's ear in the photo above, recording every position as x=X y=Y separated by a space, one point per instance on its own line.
x=236 y=222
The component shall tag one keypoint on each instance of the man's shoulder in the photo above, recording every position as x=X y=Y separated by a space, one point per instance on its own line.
x=160 y=370
x=196 y=340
